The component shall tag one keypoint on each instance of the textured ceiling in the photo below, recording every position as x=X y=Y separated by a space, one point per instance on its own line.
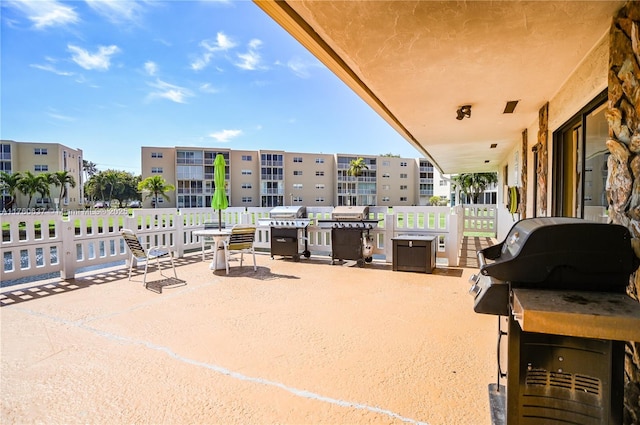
x=416 y=62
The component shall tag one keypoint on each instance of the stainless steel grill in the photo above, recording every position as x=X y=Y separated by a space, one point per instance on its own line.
x=350 y=237
x=556 y=280
x=286 y=223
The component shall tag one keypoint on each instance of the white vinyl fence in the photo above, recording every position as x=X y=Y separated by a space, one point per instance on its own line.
x=41 y=243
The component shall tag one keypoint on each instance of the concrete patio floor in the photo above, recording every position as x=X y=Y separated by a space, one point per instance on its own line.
x=303 y=343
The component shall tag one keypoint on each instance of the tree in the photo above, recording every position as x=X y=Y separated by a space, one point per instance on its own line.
x=113 y=182
x=473 y=184
x=356 y=168
x=62 y=179
x=9 y=183
x=127 y=187
x=96 y=186
x=390 y=155
x=89 y=168
x=154 y=186
x=30 y=184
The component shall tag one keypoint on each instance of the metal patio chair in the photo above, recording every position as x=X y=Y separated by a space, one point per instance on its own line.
x=139 y=253
x=241 y=241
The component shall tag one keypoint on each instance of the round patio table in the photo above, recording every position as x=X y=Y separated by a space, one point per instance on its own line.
x=219 y=237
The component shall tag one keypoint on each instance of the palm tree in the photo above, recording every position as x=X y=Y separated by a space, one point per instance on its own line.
x=89 y=168
x=155 y=185
x=473 y=184
x=30 y=184
x=62 y=179
x=356 y=168
x=9 y=183
x=113 y=181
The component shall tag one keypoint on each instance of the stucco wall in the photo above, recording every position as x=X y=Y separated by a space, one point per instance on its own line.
x=586 y=82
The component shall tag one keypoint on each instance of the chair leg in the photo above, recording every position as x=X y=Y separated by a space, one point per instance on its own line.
x=173 y=265
x=144 y=278
x=254 y=259
x=241 y=257
x=130 y=266
x=226 y=256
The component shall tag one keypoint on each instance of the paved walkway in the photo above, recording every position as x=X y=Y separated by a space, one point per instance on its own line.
x=298 y=343
x=470 y=247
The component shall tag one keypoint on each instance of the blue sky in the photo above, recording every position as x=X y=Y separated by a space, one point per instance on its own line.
x=110 y=76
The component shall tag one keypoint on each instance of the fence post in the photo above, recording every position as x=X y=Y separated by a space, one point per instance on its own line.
x=68 y=254
x=389 y=232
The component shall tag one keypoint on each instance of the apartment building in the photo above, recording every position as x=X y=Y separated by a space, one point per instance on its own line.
x=39 y=158
x=270 y=178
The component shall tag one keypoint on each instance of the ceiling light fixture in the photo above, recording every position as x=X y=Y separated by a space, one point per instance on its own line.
x=510 y=106
x=464 y=111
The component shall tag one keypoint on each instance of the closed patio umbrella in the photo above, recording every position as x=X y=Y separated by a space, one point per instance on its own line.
x=219 y=201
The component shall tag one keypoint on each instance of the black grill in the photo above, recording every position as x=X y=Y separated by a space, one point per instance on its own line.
x=350 y=237
x=568 y=375
x=286 y=223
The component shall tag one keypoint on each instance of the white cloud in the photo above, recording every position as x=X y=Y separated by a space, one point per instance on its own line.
x=208 y=88
x=222 y=43
x=300 y=68
x=117 y=11
x=225 y=135
x=101 y=60
x=45 y=14
x=151 y=68
x=61 y=117
x=201 y=62
x=169 y=91
x=250 y=60
x=51 y=68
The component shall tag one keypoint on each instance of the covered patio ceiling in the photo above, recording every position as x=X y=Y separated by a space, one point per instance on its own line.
x=416 y=62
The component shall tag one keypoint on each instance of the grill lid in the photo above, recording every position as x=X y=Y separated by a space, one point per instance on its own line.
x=353 y=212
x=562 y=253
x=288 y=211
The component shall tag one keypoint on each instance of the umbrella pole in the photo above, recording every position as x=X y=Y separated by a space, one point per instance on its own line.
x=220 y=220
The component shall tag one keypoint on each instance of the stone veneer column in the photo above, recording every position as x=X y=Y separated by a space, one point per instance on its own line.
x=623 y=179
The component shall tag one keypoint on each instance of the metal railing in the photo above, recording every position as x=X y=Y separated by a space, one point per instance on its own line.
x=40 y=243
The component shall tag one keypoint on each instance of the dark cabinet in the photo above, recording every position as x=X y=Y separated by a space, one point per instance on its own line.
x=414 y=253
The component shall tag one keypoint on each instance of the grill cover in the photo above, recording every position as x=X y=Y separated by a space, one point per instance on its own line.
x=353 y=212
x=288 y=211
x=563 y=253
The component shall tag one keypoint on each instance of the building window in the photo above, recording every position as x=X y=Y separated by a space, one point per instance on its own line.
x=385 y=199
x=386 y=163
x=246 y=172
x=297 y=199
x=297 y=159
x=319 y=173
x=247 y=199
x=403 y=199
x=319 y=160
x=297 y=172
x=41 y=167
x=443 y=182
x=386 y=187
x=156 y=170
x=246 y=185
x=403 y=176
x=403 y=164
x=320 y=186
x=385 y=175
x=403 y=187
x=297 y=185
x=320 y=199
x=156 y=154
x=247 y=158
x=40 y=151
